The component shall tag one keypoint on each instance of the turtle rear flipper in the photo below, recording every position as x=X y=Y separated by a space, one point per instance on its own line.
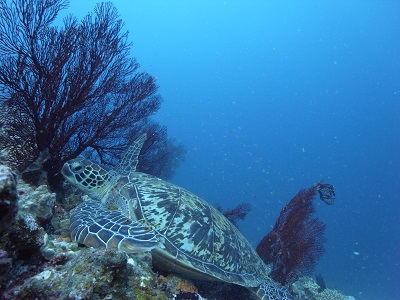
x=94 y=225
x=272 y=291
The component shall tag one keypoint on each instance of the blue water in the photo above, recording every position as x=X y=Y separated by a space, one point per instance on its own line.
x=272 y=96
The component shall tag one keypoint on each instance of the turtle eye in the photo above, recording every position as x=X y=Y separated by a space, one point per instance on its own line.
x=77 y=168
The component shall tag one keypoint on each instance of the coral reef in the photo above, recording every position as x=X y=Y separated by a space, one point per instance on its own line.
x=89 y=274
x=101 y=274
x=34 y=174
x=36 y=262
x=5 y=266
x=223 y=290
x=8 y=197
x=37 y=203
x=53 y=246
x=296 y=241
x=178 y=283
x=43 y=265
x=17 y=137
x=305 y=288
x=20 y=254
x=321 y=282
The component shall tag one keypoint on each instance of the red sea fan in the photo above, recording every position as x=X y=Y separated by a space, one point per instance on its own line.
x=297 y=240
x=235 y=214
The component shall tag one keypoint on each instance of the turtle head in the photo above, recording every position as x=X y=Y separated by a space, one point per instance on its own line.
x=87 y=176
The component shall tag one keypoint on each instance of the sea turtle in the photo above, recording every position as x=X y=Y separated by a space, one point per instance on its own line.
x=135 y=212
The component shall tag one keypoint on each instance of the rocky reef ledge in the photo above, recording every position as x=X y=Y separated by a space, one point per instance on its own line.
x=39 y=261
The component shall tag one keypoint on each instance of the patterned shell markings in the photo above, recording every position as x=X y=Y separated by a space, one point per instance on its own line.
x=194 y=232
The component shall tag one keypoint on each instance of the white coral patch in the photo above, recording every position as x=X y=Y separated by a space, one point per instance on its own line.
x=131 y=261
x=44 y=275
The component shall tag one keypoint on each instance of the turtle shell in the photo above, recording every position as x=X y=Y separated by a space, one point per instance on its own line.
x=195 y=238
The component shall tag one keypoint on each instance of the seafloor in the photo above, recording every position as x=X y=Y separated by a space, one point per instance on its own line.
x=38 y=260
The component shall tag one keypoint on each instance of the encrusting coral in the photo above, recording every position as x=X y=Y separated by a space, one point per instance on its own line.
x=38 y=203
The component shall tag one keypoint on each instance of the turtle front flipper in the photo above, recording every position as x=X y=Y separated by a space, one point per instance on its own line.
x=94 y=225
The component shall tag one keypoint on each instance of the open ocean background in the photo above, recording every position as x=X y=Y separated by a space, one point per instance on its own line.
x=269 y=97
